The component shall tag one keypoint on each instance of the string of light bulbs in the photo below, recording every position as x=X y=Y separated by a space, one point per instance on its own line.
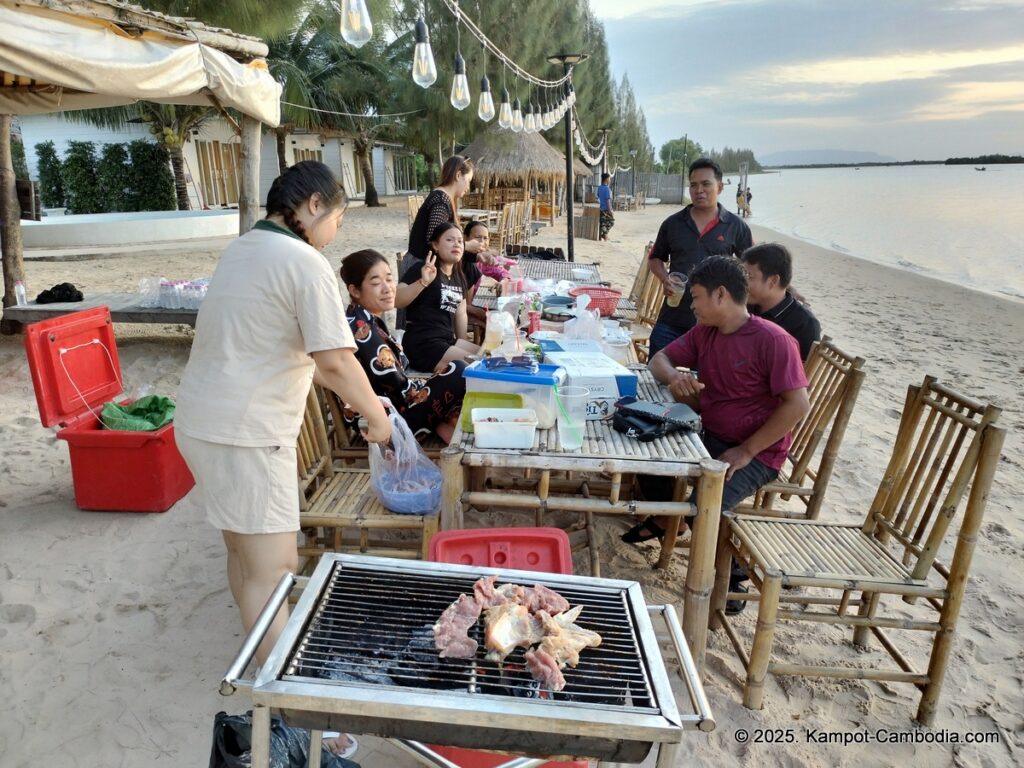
x=357 y=29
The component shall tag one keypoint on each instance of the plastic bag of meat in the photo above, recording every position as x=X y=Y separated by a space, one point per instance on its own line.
x=403 y=478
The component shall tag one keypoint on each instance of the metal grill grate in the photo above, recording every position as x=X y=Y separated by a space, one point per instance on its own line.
x=374 y=628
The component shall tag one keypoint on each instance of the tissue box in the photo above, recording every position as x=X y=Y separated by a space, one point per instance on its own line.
x=605 y=378
x=568 y=345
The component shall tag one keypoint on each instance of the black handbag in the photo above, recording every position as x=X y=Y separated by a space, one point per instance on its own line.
x=646 y=421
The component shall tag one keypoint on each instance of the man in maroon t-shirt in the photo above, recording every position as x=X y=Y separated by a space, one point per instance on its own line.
x=747 y=382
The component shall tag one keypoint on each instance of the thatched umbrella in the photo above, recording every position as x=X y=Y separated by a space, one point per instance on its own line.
x=503 y=157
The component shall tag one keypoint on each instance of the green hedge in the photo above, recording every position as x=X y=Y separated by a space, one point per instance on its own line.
x=133 y=176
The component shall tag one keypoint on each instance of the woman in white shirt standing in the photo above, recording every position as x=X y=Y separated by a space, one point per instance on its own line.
x=273 y=314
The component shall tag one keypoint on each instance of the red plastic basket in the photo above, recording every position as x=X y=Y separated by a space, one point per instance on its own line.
x=604 y=300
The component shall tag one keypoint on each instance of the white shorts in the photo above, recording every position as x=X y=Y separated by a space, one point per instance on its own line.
x=243 y=489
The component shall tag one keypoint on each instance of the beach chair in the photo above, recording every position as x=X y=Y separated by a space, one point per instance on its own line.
x=834 y=379
x=413 y=203
x=648 y=294
x=338 y=510
x=946 y=442
x=347 y=445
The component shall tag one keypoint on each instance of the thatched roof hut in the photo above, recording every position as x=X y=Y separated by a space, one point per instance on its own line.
x=508 y=164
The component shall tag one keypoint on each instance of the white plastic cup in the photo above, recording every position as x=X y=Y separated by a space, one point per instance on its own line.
x=572 y=416
x=618 y=350
x=678 y=282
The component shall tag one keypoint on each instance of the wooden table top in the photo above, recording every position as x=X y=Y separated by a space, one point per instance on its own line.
x=603 y=449
x=124 y=308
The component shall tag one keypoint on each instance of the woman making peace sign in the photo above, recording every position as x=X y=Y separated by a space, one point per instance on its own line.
x=434 y=294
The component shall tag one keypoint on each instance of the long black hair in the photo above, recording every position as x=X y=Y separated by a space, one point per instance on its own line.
x=297 y=185
x=355 y=266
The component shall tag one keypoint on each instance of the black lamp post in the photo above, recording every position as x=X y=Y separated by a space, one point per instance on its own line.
x=567 y=60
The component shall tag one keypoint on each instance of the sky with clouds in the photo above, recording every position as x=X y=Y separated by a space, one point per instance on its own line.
x=909 y=79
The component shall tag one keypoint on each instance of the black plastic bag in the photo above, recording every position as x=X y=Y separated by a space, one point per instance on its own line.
x=61 y=292
x=289 y=747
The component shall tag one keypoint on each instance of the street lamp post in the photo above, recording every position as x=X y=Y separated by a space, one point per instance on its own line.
x=567 y=60
x=632 y=154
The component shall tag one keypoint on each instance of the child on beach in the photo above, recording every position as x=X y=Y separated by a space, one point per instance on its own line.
x=427 y=405
x=433 y=292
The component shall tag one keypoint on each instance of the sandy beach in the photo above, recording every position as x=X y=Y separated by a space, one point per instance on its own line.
x=116 y=628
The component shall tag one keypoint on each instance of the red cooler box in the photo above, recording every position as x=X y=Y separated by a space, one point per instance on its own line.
x=75 y=370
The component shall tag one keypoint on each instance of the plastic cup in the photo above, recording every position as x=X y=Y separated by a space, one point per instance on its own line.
x=572 y=416
x=618 y=350
x=678 y=282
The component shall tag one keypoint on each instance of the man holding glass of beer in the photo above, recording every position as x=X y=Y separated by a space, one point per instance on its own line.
x=702 y=229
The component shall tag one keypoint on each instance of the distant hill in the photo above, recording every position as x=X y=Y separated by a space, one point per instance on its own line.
x=823 y=157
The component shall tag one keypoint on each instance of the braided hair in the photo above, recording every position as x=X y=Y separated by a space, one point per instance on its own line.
x=296 y=186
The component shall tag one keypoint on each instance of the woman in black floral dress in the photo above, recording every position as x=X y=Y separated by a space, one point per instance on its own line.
x=427 y=405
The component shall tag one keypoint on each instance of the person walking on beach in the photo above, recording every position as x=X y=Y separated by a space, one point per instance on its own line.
x=741 y=201
x=272 y=317
x=769 y=268
x=685 y=239
x=604 y=198
x=750 y=392
x=746 y=207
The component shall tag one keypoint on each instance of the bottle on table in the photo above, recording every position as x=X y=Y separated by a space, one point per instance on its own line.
x=20 y=294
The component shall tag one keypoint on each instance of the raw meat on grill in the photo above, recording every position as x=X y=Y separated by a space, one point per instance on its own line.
x=564 y=639
x=517 y=617
x=509 y=626
x=544 y=669
x=451 y=632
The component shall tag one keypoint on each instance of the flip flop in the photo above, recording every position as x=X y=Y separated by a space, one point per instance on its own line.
x=351 y=749
x=644 y=531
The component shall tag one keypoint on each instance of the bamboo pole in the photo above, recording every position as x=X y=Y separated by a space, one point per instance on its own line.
x=452 y=482
x=764 y=636
x=991 y=444
x=849 y=673
x=249 y=183
x=700 y=575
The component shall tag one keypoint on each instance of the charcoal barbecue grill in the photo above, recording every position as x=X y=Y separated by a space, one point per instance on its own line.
x=357 y=655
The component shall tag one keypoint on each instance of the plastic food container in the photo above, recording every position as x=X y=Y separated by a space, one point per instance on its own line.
x=537 y=389
x=486 y=400
x=504 y=427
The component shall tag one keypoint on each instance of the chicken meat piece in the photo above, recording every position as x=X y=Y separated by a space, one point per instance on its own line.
x=564 y=639
x=540 y=598
x=451 y=632
x=508 y=626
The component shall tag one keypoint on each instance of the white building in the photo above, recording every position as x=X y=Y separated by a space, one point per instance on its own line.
x=212 y=157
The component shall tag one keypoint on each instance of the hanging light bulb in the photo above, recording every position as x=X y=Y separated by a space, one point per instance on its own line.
x=486 y=109
x=505 y=115
x=424 y=71
x=538 y=124
x=530 y=123
x=356 y=26
x=571 y=98
x=460 y=97
x=517 y=117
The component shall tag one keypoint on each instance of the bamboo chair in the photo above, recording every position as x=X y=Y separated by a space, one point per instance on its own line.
x=834 y=379
x=333 y=501
x=500 y=231
x=648 y=294
x=413 y=203
x=347 y=445
x=945 y=443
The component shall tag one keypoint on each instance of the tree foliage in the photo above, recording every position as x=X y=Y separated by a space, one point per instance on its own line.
x=730 y=159
x=78 y=173
x=151 y=185
x=676 y=154
x=51 y=182
x=112 y=176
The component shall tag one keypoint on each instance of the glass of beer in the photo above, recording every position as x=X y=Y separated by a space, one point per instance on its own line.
x=678 y=283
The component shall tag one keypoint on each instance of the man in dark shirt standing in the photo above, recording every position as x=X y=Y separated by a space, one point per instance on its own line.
x=769 y=269
x=702 y=229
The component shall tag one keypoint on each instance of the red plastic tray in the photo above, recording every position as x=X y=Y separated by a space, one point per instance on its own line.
x=524 y=549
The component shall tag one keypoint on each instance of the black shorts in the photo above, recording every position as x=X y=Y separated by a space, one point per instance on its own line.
x=425 y=354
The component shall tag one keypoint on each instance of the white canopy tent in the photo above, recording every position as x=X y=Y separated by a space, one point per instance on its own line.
x=62 y=55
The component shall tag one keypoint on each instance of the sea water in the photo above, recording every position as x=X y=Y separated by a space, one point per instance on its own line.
x=949 y=222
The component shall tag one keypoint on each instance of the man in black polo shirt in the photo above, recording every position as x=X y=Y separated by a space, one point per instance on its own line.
x=703 y=228
x=769 y=272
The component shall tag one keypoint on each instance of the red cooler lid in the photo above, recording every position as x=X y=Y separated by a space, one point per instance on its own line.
x=74 y=364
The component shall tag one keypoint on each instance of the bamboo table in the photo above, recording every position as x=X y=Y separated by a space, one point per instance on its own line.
x=679 y=455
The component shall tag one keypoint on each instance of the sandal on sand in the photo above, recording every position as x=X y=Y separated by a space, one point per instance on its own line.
x=351 y=749
x=644 y=531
